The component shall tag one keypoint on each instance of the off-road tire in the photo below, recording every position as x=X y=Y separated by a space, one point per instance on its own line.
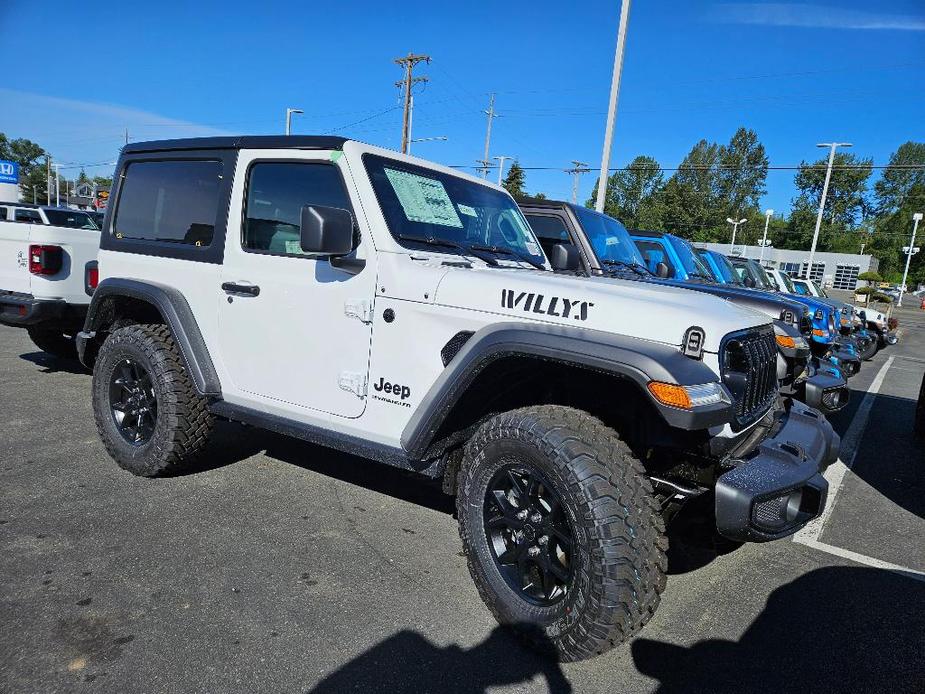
x=183 y=423
x=871 y=350
x=620 y=563
x=54 y=342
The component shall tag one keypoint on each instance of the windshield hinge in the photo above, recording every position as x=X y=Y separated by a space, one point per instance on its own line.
x=359 y=308
x=353 y=382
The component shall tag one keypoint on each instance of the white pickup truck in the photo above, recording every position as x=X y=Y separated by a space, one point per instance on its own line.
x=47 y=272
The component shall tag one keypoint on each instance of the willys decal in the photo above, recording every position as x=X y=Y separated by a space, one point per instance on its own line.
x=547 y=306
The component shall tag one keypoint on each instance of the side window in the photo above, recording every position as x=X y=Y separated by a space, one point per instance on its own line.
x=174 y=201
x=654 y=254
x=28 y=216
x=549 y=229
x=276 y=193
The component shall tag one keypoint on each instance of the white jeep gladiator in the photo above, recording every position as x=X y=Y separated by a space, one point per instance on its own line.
x=402 y=311
x=48 y=269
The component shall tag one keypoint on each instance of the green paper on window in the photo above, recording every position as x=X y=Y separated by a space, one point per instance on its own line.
x=423 y=199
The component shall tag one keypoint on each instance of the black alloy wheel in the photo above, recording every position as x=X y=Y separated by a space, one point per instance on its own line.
x=529 y=534
x=132 y=402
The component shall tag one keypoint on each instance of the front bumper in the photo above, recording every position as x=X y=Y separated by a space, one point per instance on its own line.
x=825 y=392
x=777 y=488
x=23 y=310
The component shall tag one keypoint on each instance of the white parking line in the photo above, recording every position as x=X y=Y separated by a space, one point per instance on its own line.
x=835 y=476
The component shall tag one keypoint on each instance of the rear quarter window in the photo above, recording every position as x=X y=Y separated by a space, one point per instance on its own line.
x=175 y=201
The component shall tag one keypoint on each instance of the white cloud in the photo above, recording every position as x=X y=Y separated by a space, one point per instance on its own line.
x=81 y=131
x=813 y=16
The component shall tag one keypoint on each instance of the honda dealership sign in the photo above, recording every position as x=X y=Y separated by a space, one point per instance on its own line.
x=9 y=172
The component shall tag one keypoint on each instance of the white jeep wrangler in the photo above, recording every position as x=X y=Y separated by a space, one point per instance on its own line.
x=402 y=311
x=47 y=272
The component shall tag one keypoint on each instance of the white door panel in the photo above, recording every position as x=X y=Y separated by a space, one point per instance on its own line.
x=292 y=341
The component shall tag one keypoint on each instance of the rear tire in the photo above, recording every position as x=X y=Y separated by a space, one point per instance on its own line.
x=616 y=557
x=139 y=379
x=54 y=342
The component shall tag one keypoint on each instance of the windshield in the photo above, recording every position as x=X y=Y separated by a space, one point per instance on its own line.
x=761 y=277
x=801 y=288
x=608 y=237
x=788 y=283
x=692 y=264
x=71 y=219
x=724 y=268
x=426 y=204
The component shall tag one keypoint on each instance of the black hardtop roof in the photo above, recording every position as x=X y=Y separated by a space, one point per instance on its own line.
x=647 y=232
x=541 y=202
x=239 y=142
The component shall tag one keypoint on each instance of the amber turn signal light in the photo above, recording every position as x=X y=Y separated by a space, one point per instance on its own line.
x=786 y=341
x=670 y=394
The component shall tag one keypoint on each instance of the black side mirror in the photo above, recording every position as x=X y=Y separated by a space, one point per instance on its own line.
x=564 y=256
x=749 y=282
x=661 y=270
x=326 y=231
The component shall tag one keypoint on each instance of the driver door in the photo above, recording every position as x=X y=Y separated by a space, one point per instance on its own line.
x=295 y=330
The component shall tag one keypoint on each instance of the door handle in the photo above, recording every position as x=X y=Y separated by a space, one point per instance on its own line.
x=240 y=289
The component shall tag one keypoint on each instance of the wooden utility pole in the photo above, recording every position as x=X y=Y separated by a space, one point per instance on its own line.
x=579 y=168
x=408 y=62
x=486 y=162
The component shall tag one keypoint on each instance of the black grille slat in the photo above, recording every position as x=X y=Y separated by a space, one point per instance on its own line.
x=749 y=368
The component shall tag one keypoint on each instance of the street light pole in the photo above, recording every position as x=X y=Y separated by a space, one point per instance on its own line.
x=57 y=186
x=916 y=218
x=612 y=108
x=764 y=239
x=735 y=227
x=825 y=191
x=501 y=159
x=289 y=112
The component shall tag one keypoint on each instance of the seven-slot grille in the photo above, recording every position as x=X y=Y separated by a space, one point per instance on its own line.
x=748 y=360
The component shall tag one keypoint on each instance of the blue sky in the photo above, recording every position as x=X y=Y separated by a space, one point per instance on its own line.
x=796 y=73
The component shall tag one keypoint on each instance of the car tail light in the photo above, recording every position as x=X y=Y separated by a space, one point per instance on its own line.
x=45 y=260
x=91 y=277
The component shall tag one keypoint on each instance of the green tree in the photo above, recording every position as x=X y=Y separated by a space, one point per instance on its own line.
x=632 y=193
x=689 y=196
x=846 y=203
x=514 y=181
x=743 y=172
x=899 y=178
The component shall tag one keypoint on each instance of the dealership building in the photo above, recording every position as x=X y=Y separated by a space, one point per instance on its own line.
x=835 y=270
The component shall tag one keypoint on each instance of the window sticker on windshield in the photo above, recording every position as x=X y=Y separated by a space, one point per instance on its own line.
x=465 y=209
x=294 y=246
x=423 y=199
x=532 y=248
x=612 y=241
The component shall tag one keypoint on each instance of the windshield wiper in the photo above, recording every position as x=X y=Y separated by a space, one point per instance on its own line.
x=634 y=267
x=450 y=243
x=504 y=250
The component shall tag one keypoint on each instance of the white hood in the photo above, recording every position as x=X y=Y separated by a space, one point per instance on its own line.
x=623 y=307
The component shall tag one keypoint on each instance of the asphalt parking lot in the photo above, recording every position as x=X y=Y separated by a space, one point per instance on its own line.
x=283 y=567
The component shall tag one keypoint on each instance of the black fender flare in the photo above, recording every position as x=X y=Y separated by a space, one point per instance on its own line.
x=639 y=360
x=178 y=315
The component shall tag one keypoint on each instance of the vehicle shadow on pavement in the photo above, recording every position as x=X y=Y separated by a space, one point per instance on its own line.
x=889 y=457
x=836 y=629
x=408 y=662
x=52 y=364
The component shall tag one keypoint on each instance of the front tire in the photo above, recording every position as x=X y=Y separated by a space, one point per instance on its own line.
x=54 y=342
x=557 y=473
x=871 y=349
x=148 y=413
